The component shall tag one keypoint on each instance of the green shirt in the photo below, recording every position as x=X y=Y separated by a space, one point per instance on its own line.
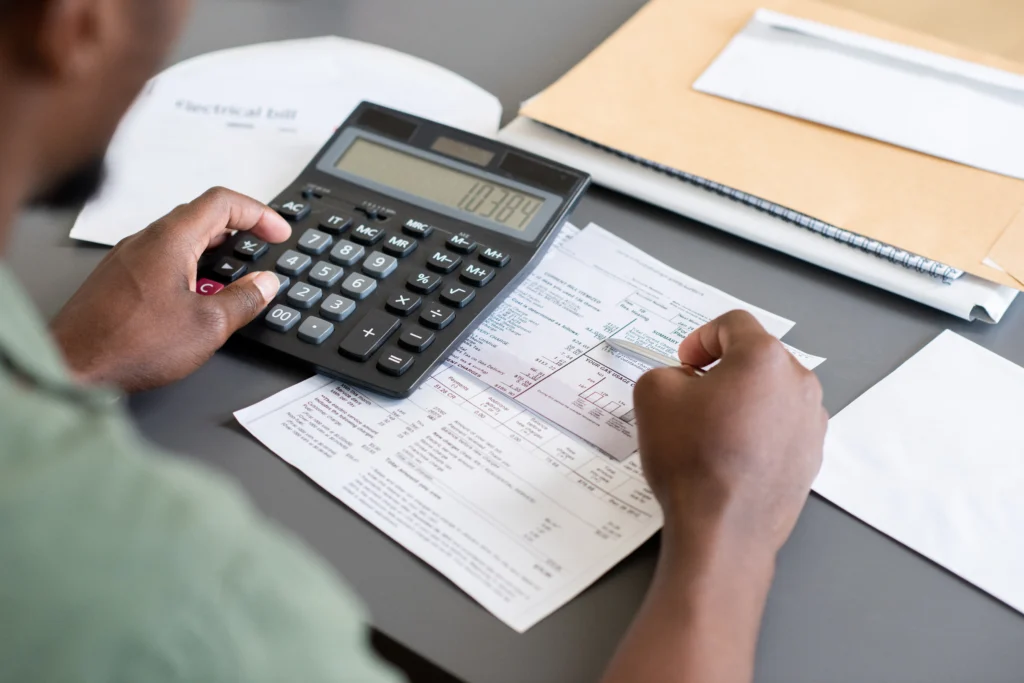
x=119 y=563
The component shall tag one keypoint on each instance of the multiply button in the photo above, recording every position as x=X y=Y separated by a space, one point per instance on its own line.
x=335 y=223
x=369 y=335
x=250 y=248
x=478 y=276
x=461 y=243
x=437 y=317
x=403 y=303
x=457 y=296
x=417 y=228
x=400 y=246
x=294 y=211
x=394 y=361
x=494 y=257
x=443 y=262
x=364 y=234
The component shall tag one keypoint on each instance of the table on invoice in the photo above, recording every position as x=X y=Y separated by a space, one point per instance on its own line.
x=848 y=604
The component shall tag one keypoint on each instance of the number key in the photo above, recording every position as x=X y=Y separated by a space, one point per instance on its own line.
x=314 y=242
x=423 y=282
x=293 y=263
x=358 y=286
x=282 y=318
x=337 y=308
x=325 y=274
x=347 y=253
x=303 y=295
x=379 y=265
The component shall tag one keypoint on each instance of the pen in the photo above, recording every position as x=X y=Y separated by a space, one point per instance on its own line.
x=647 y=355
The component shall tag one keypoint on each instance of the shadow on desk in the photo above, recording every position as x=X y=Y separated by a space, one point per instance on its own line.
x=416 y=668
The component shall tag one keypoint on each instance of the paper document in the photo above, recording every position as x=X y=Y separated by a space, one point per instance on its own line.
x=933 y=457
x=251 y=118
x=913 y=98
x=968 y=297
x=544 y=346
x=514 y=511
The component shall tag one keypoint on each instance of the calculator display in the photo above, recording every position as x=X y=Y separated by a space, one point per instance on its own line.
x=473 y=195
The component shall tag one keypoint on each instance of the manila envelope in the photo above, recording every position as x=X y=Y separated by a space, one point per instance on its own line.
x=634 y=93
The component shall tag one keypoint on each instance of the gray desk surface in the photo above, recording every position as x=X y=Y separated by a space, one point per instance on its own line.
x=848 y=604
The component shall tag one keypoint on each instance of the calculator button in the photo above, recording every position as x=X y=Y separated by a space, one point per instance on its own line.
x=282 y=282
x=314 y=242
x=369 y=335
x=347 y=253
x=293 y=263
x=379 y=265
x=403 y=303
x=417 y=228
x=315 y=330
x=399 y=246
x=461 y=243
x=335 y=223
x=282 y=318
x=325 y=274
x=358 y=286
x=443 y=262
x=478 y=276
x=394 y=361
x=250 y=248
x=457 y=296
x=337 y=307
x=294 y=211
x=423 y=282
x=366 y=234
x=229 y=269
x=437 y=317
x=494 y=257
x=417 y=339
x=208 y=287
x=303 y=295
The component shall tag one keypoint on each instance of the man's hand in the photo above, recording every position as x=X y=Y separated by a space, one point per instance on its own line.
x=138 y=323
x=733 y=452
x=731 y=457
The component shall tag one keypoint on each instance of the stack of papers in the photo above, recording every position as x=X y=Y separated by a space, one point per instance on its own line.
x=513 y=470
x=252 y=118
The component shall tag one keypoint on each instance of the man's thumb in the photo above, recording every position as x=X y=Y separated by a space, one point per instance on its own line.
x=242 y=301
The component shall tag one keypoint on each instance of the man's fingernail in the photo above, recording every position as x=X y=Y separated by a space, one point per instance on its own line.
x=268 y=285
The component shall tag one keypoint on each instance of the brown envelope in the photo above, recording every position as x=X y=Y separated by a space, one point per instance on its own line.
x=633 y=93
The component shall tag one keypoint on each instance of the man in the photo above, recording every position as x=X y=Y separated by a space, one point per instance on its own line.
x=118 y=563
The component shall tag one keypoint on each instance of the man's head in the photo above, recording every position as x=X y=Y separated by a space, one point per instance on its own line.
x=69 y=69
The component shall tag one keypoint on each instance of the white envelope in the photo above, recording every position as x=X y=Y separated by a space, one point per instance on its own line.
x=933 y=456
x=944 y=107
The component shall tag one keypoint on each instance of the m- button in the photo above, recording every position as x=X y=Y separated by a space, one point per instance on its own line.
x=443 y=262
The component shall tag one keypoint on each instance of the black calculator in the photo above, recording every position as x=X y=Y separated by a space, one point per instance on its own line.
x=406 y=235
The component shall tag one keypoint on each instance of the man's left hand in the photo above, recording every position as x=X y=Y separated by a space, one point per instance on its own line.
x=138 y=323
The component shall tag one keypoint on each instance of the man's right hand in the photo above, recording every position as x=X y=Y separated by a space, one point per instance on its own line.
x=731 y=457
x=735 y=451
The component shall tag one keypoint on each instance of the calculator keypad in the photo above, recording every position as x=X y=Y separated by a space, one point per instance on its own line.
x=338 y=260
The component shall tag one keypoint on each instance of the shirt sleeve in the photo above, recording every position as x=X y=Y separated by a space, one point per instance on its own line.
x=125 y=564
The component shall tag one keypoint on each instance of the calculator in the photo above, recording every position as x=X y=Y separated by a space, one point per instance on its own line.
x=406 y=234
